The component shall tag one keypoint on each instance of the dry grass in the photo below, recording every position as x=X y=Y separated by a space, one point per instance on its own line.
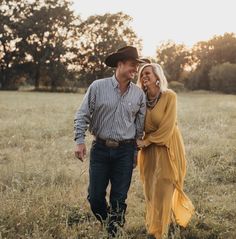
x=43 y=188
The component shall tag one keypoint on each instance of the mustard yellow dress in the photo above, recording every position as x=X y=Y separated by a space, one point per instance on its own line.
x=162 y=167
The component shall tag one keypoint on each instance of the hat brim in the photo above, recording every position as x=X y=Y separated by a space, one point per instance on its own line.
x=113 y=59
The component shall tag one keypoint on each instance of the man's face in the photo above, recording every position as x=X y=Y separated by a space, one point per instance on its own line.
x=128 y=69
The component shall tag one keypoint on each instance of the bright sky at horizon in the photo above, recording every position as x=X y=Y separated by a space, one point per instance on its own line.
x=155 y=21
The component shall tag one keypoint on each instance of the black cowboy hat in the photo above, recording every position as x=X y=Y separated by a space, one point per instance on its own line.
x=127 y=52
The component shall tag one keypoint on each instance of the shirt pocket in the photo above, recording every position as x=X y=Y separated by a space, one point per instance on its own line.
x=130 y=110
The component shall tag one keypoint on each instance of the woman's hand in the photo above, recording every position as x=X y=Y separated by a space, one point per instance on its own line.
x=140 y=144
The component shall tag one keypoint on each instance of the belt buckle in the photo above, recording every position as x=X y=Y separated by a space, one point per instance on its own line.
x=112 y=143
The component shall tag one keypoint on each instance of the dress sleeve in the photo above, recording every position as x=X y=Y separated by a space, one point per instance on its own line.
x=162 y=135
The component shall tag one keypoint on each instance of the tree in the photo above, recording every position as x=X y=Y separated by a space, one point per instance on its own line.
x=8 y=39
x=207 y=54
x=100 y=36
x=223 y=78
x=46 y=39
x=174 y=58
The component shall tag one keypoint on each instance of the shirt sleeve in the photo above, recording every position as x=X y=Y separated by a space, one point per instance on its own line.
x=140 y=117
x=163 y=134
x=83 y=114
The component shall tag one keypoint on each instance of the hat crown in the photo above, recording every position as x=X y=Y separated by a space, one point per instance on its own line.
x=127 y=52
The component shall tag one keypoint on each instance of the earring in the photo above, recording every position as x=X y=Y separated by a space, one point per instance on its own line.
x=157 y=82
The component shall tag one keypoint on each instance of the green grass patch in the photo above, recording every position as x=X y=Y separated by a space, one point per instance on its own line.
x=43 y=188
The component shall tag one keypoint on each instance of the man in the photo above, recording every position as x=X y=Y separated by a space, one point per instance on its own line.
x=114 y=109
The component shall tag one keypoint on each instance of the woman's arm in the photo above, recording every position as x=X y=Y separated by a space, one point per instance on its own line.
x=162 y=135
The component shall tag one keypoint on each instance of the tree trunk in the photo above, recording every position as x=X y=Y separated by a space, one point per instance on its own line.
x=4 y=81
x=37 y=77
x=53 y=83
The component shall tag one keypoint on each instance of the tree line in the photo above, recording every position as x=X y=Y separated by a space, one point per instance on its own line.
x=45 y=44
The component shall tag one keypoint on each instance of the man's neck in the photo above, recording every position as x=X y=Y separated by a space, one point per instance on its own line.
x=123 y=83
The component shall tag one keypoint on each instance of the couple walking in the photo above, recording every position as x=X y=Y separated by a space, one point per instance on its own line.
x=133 y=123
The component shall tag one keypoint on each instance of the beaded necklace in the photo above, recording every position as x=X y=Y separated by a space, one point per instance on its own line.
x=151 y=103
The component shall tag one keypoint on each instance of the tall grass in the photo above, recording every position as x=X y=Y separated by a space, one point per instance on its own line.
x=43 y=188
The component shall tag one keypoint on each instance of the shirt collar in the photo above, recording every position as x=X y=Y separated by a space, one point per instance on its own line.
x=115 y=82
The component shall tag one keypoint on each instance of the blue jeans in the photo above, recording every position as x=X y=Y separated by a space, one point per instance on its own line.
x=114 y=165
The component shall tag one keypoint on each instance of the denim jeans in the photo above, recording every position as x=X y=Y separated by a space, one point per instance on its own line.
x=114 y=165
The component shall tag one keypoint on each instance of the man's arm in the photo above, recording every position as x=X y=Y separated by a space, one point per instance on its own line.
x=140 y=117
x=139 y=122
x=82 y=120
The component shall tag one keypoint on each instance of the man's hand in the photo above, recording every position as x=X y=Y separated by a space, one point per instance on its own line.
x=80 y=151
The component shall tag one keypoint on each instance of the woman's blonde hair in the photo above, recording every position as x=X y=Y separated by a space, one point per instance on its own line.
x=158 y=72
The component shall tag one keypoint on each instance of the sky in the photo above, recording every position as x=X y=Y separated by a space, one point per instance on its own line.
x=156 y=21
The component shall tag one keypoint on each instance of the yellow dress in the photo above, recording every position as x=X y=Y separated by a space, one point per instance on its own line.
x=162 y=167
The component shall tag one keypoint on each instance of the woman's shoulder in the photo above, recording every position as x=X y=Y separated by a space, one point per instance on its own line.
x=169 y=93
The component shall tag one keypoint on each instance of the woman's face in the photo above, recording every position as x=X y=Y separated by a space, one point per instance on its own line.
x=148 y=79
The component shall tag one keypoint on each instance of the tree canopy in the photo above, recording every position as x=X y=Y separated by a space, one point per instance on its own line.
x=100 y=36
x=46 y=44
x=174 y=58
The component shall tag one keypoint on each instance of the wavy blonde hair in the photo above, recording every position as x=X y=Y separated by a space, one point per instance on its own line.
x=158 y=72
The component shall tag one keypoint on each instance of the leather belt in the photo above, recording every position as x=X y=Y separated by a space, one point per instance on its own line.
x=113 y=143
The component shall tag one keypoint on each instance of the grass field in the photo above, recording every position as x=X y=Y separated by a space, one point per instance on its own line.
x=43 y=187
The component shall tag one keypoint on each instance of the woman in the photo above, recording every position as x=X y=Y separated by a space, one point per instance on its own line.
x=161 y=159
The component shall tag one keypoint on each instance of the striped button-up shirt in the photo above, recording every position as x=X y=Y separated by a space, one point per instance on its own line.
x=110 y=115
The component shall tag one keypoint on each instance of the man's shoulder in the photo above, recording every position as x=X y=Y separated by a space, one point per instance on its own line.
x=137 y=88
x=100 y=82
